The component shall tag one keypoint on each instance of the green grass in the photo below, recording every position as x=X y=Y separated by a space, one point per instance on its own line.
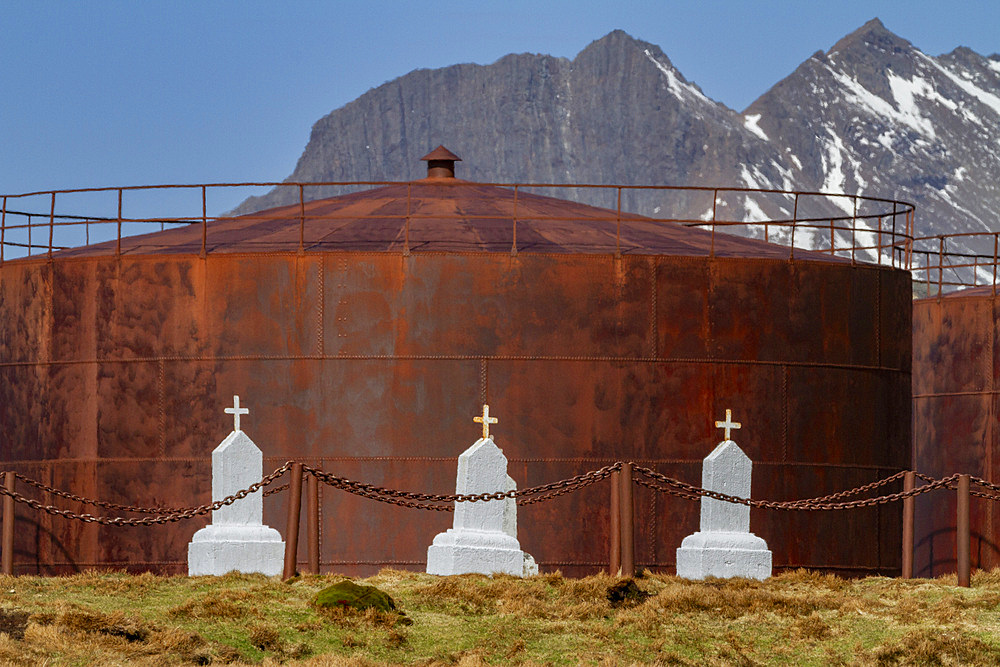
x=797 y=618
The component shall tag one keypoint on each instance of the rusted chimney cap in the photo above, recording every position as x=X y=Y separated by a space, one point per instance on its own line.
x=441 y=163
x=441 y=153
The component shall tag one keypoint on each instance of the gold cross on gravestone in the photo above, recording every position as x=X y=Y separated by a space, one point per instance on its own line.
x=729 y=423
x=236 y=411
x=486 y=420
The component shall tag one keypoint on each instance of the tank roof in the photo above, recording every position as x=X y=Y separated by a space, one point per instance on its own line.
x=446 y=215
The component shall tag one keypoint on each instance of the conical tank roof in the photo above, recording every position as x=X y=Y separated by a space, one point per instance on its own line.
x=442 y=213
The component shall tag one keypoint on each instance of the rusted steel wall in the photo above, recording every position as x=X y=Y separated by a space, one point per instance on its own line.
x=954 y=422
x=115 y=372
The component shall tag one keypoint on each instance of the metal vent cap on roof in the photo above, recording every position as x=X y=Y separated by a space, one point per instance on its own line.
x=441 y=163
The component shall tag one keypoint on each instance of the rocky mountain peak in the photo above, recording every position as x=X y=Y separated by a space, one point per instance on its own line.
x=872 y=36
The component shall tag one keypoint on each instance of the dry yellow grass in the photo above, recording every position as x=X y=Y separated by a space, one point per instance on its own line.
x=797 y=618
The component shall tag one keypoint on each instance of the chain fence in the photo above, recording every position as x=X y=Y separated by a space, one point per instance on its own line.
x=167 y=517
x=643 y=476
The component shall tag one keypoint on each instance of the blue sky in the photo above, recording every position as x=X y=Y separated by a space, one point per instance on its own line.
x=132 y=93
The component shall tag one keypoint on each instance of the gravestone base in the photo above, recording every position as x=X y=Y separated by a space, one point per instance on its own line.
x=482 y=552
x=723 y=554
x=219 y=549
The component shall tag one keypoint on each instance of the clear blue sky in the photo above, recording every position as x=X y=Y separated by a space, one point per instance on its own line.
x=141 y=92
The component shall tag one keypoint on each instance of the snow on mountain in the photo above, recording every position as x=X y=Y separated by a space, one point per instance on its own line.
x=874 y=115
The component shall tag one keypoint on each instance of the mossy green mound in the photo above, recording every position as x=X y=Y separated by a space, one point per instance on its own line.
x=346 y=594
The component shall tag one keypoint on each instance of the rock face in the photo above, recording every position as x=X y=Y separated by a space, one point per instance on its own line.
x=617 y=113
x=873 y=115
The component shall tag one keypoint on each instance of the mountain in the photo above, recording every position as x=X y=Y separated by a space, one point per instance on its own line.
x=617 y=113
x=873 y=115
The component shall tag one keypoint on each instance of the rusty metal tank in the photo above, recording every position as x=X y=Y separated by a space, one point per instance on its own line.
x=365 y=331
x=956 y=373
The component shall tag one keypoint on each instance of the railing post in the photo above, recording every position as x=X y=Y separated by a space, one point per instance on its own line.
x=715 y=202
x=513 y=244
x=795 y=223
x=615 y=537
x=118 y=243
x=302 y=219
x=893 y=241
x=618 y=225
x=627 y=522
x=996 y=236
x=963 y=540
x=406 y=222
x=292 y=524
x=7 y=560
x=880 y=220
x=204 y=222
x=312 y=522
x=909 y=481
x=940 y=264
x=52 y=223
x=3 y=232
x=854 y=230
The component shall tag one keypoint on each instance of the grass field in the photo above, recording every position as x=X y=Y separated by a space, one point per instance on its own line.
x=797 y=618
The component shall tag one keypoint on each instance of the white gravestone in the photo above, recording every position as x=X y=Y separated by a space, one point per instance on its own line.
x=237 y=538
x=484 y=536
x=725 y=547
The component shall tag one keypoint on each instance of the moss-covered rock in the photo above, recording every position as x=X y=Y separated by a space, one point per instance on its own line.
x=344 y=594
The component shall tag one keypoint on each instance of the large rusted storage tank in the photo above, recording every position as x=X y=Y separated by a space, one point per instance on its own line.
x=956 y=370
x=365 y=331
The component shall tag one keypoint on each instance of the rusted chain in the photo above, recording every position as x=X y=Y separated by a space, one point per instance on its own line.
x=98 y=503
x=982 y=482
x=423 y=500
x=444 y=502
x=856 y=491
x=673 y=492
x=809 y=504
x=154 y=520
x=277 y=489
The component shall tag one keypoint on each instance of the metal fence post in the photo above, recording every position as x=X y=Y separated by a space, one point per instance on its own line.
x=7 y=559
x=292 y=524
x=312 y=522
x=962 y=534
x=909 y=481
x=615 y=537
x=627 y=522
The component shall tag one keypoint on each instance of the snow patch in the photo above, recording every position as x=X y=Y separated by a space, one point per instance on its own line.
x=750 y=122
x=993 y=65
x=833 y=167
x=786 y=176
x=676 y=86
x=795 y=161
x=904 y=93
x=988 y=99
x=753 y=212
x=960 y=173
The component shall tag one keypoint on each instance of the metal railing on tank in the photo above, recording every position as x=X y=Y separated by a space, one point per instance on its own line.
x=118 y=221
x=947 y=263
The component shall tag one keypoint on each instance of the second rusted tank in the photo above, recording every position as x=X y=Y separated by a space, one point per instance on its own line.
x=956 y=373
